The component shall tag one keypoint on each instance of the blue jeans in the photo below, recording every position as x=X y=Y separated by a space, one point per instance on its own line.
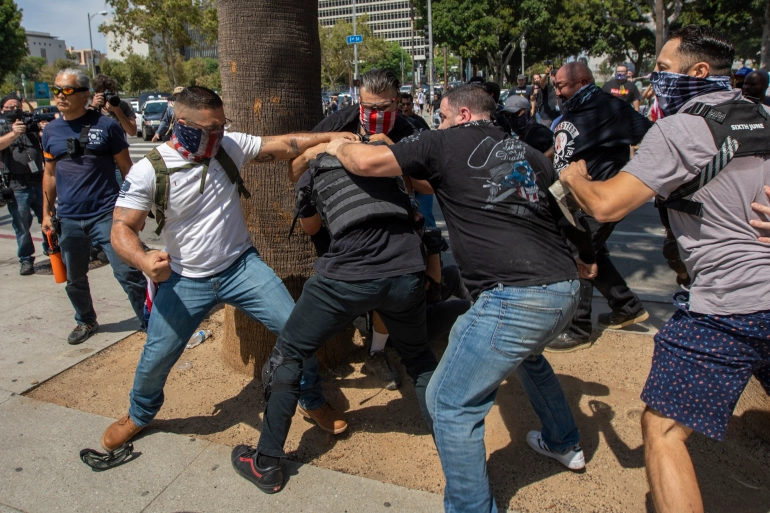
x=180 y=306
x=77 y=237
x=27 y=200
x=505 y=330
x=426 y=208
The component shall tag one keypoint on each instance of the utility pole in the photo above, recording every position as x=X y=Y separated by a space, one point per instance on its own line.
x=355 y=45
x=414 y=52
x=446 y=77
x=660 y=23
x=430 y=45
x=91 y=39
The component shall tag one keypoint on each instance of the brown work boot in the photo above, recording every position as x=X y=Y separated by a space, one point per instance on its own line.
x=326 y=417
x=119 y=432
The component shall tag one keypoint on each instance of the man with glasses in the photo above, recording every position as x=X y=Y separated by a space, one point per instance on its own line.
x=406 y=108
x=376 y=117
x=209 y=258
x=599 y=128
x=23 y=160
x=81 y=149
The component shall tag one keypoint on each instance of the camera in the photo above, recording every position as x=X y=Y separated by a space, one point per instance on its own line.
x=73 y=146
x=13 y=116
x=548 y=62
x=112 y=98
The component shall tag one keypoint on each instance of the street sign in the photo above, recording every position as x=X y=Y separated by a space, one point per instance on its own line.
x=355 y=39
x=41 y=90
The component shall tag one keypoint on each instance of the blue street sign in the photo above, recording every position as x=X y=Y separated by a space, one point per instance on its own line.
x=355 y=39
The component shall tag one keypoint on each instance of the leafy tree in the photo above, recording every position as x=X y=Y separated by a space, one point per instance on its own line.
x=742 y=21
x=337 y=64
x=203 y=71
x=489 y=31
x=13 y=38
x=119 y=71
x=164 y=25
x=392 y=59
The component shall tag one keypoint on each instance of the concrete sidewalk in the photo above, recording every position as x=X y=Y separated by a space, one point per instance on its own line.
x=40 y=470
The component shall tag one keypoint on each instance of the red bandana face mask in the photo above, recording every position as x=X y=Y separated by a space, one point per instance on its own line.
x=377 y=121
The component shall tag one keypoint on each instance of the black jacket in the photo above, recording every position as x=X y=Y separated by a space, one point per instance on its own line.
x=599 y=131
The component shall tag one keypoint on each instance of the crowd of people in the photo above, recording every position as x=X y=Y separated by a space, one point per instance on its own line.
x=527 y=256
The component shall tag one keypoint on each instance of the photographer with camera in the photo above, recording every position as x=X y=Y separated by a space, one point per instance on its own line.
x=81 y=150
x=106 y=100
x=22 y=180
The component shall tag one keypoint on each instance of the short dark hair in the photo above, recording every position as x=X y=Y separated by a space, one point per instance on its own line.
x=104 y=83
x=198 y=98
x=475 y=98
x=407 y=96
x=7 y=98
x=492 y=88
x=476 y=80
x=698 y=43
x=378 y=81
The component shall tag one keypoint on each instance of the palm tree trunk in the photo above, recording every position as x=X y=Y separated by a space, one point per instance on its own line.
x=270 y=63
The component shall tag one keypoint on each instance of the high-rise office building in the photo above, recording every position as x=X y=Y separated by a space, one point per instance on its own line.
x=389 y=20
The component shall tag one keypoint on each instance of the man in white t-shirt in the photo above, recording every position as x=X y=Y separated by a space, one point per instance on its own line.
x=209 y=257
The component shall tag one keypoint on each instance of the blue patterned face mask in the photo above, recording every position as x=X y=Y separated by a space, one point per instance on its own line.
x=673 y=90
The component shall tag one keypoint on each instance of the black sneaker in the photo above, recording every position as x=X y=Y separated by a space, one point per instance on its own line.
x=379 y=364
x=81 y=333
x=616 y=321
x=268 y=479
x=27 y=268
x=566 y=343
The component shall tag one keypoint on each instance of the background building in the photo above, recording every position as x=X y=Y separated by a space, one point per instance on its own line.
x=83 y=57
x=389 y=20
x=43 y=44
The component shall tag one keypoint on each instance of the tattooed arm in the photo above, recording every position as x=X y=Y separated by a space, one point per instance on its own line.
x=290 y=146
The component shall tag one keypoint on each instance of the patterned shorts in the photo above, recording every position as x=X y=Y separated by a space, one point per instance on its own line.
x=702 y=363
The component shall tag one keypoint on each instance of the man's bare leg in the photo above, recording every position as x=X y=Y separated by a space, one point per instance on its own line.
x=670 y=472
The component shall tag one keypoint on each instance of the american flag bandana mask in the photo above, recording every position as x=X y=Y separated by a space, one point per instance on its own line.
x=377 y=121
x=673 y=90
x=196 y=144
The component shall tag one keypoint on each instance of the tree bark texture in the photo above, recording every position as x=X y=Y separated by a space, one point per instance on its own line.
x=270 y=63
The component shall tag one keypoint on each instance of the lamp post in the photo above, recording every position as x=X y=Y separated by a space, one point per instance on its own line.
x=355 y=45
x=523 y=46
x=430 y=46
x=91 y=39
x=24 y=84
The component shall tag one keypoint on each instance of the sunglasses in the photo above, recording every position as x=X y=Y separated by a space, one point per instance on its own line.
x=226 y=126
x=379 y=106
x=67 y=90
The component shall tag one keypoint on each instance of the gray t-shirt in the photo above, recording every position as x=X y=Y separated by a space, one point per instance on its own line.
x=731 y=268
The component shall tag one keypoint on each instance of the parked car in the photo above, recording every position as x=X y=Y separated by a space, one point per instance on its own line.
x=45 y=113
x=151 y=95
x=148 y=119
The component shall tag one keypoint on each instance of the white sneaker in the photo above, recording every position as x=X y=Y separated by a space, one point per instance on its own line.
x=573 y=459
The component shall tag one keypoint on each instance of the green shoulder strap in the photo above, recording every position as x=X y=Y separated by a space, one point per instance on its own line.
x=232 y=171
x=162 y=186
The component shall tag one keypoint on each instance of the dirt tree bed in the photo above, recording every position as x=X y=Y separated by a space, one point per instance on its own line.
x=387 y=441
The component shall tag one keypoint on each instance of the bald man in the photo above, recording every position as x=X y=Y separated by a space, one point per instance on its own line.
x=599 y=128
x=755 y=87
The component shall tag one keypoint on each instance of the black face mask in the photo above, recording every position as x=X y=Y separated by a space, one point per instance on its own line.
x=519 y=123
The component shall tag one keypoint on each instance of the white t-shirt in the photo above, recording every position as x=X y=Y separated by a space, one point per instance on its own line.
x=204 y=233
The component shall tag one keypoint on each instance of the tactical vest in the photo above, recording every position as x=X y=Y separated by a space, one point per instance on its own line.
x=345 y=200
x=739 y=129
x=162 y=179
x=77 y=147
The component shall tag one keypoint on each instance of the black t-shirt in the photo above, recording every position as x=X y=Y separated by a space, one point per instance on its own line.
x=626 y=91
x=418 y=122
x=375 y=249
x=493 y=191
x=436 y=104
x=549 y=101
x=538 y=136
x=23 y=151
x=601 y=132
x=525 y=91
